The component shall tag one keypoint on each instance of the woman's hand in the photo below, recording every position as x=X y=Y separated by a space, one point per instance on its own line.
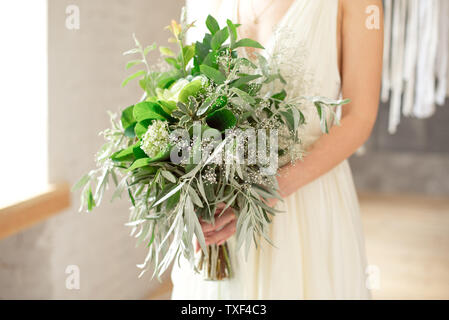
x=222 y=230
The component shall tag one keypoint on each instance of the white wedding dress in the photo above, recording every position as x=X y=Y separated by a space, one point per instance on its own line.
x=319 y=251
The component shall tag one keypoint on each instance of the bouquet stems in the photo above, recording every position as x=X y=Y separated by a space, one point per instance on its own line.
x=217 y=264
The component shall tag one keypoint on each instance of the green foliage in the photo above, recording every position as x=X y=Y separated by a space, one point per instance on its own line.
x=244 y=80
x=221 y=119
x=167 y=106
x=219 y=38
x=143 y=162
x=142 y=127
x=128 y=121
x=166 y=51
x=136 y=75
x=213 y=74
x=168 y=198
x=232 y=30
x=190 y=90
x=126 y=154
x=143 y=52
x=212 y=24
x=90 y=200
x=149 y=111
x=219 y=103
x=248 y=43
x=280 y=96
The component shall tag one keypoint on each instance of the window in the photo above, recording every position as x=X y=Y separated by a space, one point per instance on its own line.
x=23 y=83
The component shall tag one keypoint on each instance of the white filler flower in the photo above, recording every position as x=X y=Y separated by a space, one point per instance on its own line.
x=156 y=138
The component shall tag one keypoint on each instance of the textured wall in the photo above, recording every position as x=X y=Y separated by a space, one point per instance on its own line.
x=414 y=160
x=86 y=68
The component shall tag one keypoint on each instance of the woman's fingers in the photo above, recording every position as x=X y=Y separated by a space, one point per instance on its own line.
x=197 y=246
x=271 y=202
x=220 y=221
x=221 y=235
x=224 y=226
x=218 y=210
x=221 y=206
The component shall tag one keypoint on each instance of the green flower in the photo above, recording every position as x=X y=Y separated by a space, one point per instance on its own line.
x=172 y=93
x=156 y=139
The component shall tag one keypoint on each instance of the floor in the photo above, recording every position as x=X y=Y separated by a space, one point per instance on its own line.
x=407 y=238
x=407 y=241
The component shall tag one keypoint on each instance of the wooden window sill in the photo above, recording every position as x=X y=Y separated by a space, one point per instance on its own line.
x=22 y=215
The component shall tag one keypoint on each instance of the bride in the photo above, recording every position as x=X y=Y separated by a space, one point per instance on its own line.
x=323 y=47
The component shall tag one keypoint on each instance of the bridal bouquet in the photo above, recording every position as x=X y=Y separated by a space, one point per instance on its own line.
x=205 y=134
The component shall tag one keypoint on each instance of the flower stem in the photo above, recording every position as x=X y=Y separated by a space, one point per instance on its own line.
x=217 y=265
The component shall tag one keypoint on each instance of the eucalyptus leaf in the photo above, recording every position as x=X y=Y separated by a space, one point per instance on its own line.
x=81 y=182
x=213 y=74
x=169 y=176
x=173 y=201
x=206 y=104
x=170 y=193
x=194 y=196
x=243 y=95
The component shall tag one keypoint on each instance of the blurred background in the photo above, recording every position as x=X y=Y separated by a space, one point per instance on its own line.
x=50 y=251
